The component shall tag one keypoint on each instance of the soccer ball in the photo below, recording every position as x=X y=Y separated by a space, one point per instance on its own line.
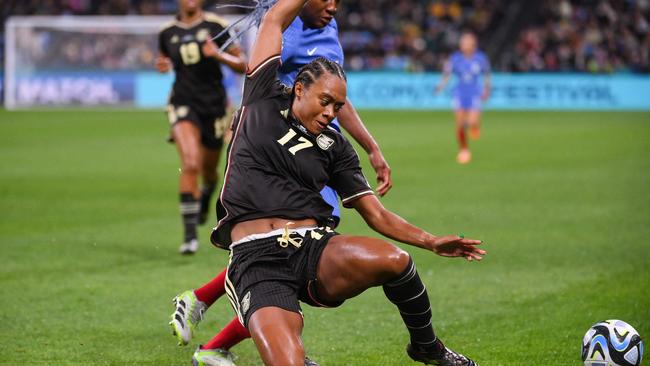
x=612 y=343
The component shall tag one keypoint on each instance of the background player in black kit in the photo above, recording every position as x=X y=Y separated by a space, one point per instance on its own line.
x=197 y=105
x=271 y=214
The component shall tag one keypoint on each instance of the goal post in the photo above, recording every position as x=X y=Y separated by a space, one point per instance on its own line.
x=91 y=61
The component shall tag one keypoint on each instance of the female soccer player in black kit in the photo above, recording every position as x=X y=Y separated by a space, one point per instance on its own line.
x=197 y=105
x=272 y=217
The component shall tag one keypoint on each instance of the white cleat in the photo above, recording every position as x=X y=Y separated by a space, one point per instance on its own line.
x=189 y=247
x=464 y=156
x=213 y=357
x=187 y=316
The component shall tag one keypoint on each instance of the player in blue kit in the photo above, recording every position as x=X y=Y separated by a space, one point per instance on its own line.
x=469 y=65
x=315 y=34
x=311 y=35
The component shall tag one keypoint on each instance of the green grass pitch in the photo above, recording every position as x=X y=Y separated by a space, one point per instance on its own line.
x=89 y=230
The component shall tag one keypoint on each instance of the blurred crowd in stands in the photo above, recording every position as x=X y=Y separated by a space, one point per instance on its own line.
x=588 y=36
x=596 y=36
x=409 y=35
x=50 y=48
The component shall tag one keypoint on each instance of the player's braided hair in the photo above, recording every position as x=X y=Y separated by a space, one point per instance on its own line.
x=311 y=72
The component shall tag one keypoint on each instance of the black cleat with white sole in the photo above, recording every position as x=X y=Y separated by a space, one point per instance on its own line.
x=448 y=357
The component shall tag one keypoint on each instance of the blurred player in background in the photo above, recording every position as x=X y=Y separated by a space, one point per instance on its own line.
x=311 y=35
x=468 y=64
x=197 y=105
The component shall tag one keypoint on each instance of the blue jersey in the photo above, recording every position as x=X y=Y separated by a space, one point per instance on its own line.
x=468 y=71
x=301 y=45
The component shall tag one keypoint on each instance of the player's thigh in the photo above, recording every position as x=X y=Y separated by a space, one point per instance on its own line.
x=474 y=117
x=460 y=117
x=351 y=264
x=276 y=333
x=213 y=127
x=187 y=137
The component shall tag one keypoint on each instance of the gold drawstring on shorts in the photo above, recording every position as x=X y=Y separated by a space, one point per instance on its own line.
x=286 y=238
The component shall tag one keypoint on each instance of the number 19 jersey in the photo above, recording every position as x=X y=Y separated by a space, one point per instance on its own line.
x=198 y=80
x=275 y=167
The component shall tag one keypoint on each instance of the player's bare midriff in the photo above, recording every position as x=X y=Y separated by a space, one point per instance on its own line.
x=261 y=226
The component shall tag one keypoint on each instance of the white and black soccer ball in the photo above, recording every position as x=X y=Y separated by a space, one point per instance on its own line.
x=612 y=343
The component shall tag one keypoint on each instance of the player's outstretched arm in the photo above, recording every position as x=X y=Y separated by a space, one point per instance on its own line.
x=351 y=122
x=231 y=57
x=446 y=73
x=269 y=36
x=487 y=79
x=391 y=225
x=487 y=86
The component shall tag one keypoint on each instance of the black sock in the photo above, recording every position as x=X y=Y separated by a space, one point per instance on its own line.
x=190 y=214
x=206 y=194
x=410 y=295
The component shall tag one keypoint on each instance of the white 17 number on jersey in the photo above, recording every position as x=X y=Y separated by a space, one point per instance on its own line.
x=304 y=143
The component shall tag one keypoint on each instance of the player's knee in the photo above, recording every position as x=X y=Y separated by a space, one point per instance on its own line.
x=293 y=361
x=397 y=261
x=287 y=356
x=190 y=164
x=209 y=174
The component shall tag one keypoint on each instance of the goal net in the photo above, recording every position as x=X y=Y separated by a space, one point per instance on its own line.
x=90 y=61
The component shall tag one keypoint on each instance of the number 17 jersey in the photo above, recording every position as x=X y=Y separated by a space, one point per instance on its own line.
x=275 y=167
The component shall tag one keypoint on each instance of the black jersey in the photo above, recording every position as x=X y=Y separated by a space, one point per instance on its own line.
x=198 y=81
x=275 y=167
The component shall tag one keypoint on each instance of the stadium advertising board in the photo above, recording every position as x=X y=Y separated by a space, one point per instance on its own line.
x=64 y=89
x=152 y=89
x=101 y=89
x=509 y=92
x=367 y=90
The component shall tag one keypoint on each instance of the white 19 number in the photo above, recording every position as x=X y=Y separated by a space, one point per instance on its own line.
x=190 y=53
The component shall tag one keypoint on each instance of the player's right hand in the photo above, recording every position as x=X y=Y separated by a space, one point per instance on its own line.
x=163 y=64
x=456 y=246
x=380 y=165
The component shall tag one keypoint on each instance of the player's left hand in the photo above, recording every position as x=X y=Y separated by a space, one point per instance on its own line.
x=210 y=49
x=456 y=246
x=163 y=64
x=380 y=165
x=485 y=95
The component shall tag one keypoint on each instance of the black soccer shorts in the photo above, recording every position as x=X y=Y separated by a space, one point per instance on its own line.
x=276 y=271
x=211 y=126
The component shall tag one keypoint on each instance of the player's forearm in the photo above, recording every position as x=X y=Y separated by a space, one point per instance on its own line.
x=393 y=226
x=236 y=63
x=269 y=36
x=487 y=83
x=283 y=13
x=443 y=82
x=389 y=224
x=351 y=122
